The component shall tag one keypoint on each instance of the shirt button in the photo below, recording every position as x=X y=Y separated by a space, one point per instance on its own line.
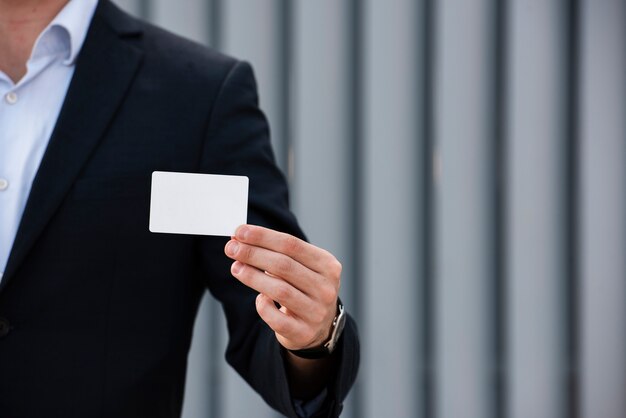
x=11 y=97
x=4 y=184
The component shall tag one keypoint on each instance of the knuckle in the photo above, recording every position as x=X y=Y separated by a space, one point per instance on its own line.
x=252 y=233
x=291 y=244
x=282 y=291
x=279 y=326
x=247 y=276
x=335 y=268
x=284 y=266
x=328 y=295
x=246 y=252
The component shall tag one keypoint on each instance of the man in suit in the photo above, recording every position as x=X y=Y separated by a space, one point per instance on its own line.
x=96 y=312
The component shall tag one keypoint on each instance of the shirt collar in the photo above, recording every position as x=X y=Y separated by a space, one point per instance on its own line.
x=67 y=32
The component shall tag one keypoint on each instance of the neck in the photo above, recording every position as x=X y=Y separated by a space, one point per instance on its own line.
x=21 y=22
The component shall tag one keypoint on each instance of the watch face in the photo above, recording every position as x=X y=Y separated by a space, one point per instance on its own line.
x=337 y=330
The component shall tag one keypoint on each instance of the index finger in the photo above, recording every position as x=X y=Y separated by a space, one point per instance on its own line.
x=315 y=258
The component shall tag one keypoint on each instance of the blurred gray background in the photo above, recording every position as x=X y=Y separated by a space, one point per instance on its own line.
x=466 y=161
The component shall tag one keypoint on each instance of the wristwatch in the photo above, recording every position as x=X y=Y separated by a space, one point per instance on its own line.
x=329 y=346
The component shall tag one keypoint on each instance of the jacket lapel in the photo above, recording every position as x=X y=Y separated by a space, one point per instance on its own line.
x=104 y=71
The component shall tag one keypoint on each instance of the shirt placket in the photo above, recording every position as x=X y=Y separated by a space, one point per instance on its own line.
x=16 y=142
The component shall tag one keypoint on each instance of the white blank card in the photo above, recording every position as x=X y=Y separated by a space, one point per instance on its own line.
x=198 y=204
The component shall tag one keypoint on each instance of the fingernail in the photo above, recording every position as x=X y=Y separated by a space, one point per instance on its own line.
x=236 y=267
x=232 y=247
x=243 y=232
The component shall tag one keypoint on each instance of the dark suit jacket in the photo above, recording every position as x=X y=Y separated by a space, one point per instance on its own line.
x=96 y=311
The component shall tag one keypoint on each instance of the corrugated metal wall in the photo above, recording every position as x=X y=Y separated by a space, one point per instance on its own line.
x=466 y=160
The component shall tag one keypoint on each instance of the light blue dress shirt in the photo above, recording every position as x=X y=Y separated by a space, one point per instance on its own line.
x=29 y=109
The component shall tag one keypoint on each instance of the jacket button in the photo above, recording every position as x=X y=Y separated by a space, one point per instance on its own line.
x=4 y=327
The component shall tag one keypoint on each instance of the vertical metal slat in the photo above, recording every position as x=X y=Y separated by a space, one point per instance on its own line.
x=391 y=262
x=602 y=217
x=536 y=270
x=463 y=199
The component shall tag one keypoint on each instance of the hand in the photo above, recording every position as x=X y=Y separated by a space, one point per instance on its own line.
x=301 y=277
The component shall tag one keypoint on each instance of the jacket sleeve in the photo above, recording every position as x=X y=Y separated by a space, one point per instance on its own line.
x=237 y=142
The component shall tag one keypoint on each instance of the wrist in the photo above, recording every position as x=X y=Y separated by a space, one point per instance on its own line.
x=328 y=346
